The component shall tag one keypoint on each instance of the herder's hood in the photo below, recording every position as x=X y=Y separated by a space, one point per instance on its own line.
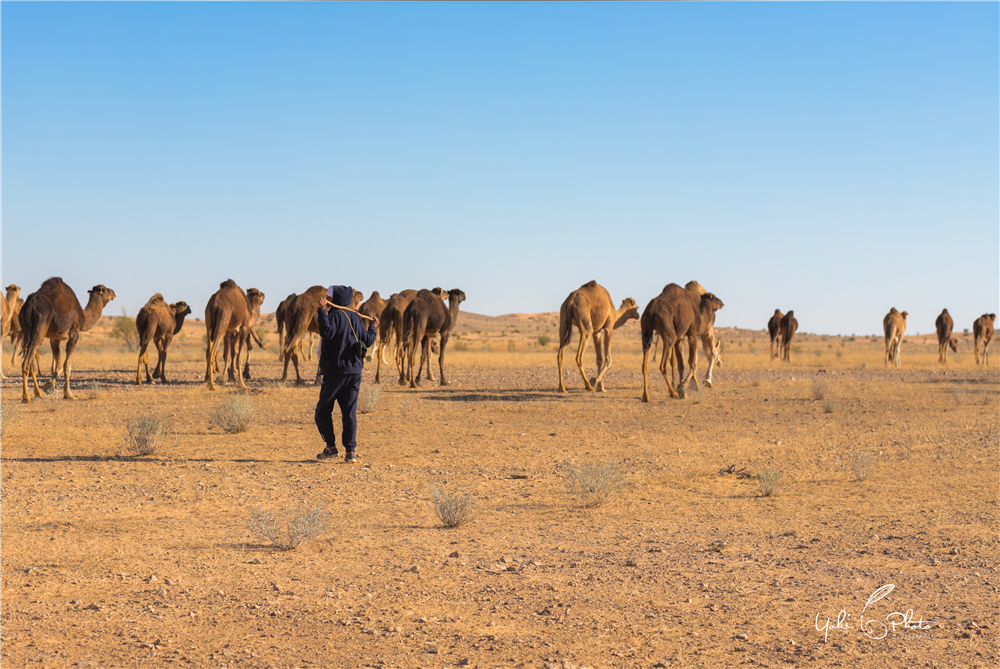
x=342 y=296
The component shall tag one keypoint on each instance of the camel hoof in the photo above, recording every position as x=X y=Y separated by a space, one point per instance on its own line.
x=69 y=396
x=444 y=383
x=708 y=384
x=25 y=400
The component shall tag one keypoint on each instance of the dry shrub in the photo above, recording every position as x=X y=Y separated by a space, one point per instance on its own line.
x=9 y=416
x=769 y=482
x=820 y=389
x=368 y=397
x=289 y=530
x=125 y=330
x=829 y=405
x=235 y=414
x=144 y=434
x=595 y=482
x=453 y=510
x=544 y=340
x=861 y=464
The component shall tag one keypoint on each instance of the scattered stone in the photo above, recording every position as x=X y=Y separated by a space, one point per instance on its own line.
x=75 y=602
x=94 y=607
x=254 y=561
x=630 y=562
x=953 y=551
x=519 y=476
x=415 y=569
x=742 y=636
x=152 y=579
x=421 y=620
x=171 y=581
x=454 y=554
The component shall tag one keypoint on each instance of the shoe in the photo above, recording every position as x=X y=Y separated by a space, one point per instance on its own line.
x=327 y=454
x=350 y=458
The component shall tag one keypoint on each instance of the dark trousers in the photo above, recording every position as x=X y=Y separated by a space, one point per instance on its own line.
x=343 y=389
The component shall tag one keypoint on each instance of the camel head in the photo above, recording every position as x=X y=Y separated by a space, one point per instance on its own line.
x=12 y=292
x=359 y=297
x=255 y=298
x=904 y=314
x=626 y=312
x=102 y=293
x=953 y=342
x=439 y=291
x=180 y=309
x=710 y=303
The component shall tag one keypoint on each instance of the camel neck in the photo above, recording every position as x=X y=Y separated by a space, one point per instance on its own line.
x=92 y=312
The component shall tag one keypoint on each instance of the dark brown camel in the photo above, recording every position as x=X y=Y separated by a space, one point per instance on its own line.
x=54 y=313
x=673 y=314
x=787 y=331
x=425 y=317
x=944 y=324
x=982 y=332
x=709 y=304
x=157 y=323
x=279 y=319
x=373 y=308
x=590 y=310
x=300 y=320
x=228 y=313
x=774 y=330
x=391 y=326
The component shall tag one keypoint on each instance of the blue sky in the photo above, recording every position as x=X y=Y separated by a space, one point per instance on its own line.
x=834 y=158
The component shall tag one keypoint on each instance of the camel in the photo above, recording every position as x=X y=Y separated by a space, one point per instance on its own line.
x=425 y=317
x=157 y=323
x=391 y=326
x=228 y=314
x=674 y=314
x=894 y=325
x=982 y=332
x=707 y=308
x=53 y=312
x=944 y=325
x=15 y=327
x=591 y=310
x=373 y=308
x=300 y=321
x=786 y=331
x=7 y=309
x=774 y=330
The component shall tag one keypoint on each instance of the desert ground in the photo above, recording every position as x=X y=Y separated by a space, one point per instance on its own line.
x=115 y=560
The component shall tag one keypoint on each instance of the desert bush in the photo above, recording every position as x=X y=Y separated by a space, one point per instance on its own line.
x=453 y=510
x=861 y=464
x=769 y=482
x=368 y=397
x=511 y=346
x=144 y=434
x=235 y=414
x=595 y=482
x=125 y=330
x=829 y=405
x=544 y=340
x=820 y=389
x=290 y=529
x=461 y=346
x=9 y=415
x=969 y=394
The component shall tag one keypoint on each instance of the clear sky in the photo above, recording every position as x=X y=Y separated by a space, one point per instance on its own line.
x=837 y=159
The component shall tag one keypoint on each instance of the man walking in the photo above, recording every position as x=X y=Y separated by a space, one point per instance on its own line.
x=340 y=331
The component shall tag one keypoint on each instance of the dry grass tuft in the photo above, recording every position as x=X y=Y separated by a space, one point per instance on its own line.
x=10 y=413
x=595 y=482
x=289 y=530
x=368 y=397
x=861 y=464
x=820 y=389
x=236 y=414
x=769 y=482
x=453 y=510
x=829 y=405
x=144 y=434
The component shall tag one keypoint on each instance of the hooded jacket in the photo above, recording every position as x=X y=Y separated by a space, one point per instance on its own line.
x=337 y=355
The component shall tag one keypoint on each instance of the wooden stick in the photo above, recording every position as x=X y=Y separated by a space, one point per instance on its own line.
x=337 y=306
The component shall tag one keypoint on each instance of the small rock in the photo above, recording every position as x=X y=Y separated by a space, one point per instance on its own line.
x=171 y=581
x=254 y=561
x=631 y=563
x=464 y=662
x=415 y=569
x=94 y=607
x=505 y=560
x=161 y=592
x=421 y=620
x=953 y=551
x=742 y=636
x=75 y=602
x=454 y=554
x=153 y=579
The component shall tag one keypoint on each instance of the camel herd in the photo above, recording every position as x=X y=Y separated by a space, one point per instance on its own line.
x=410 y=320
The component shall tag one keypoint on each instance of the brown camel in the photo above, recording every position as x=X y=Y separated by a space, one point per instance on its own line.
x=305 y=349
x=228 y=314
x=944 y=325
x=894 y=325
x=54 y=313
x=591 y=310
x=8 y=304
x=300 y=321
x=425 y=317
x=391 y=326
x=157 y=323
x=373 y=308
x=15 y=328
x=707 y=308
x=787 y=330
x=982 y=332
x=774 y=330
x=673 y=314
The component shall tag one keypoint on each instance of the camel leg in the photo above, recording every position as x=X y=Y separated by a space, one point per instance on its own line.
x=28 y=366
x=74 y=336
x=430 y=376
x=692 y=373
x=403 y=355
x=444 y=340
x=138 y=366
x=235 y=369
x=425 y=346
x=585 y=334
x=645 y=375
x=161 y=362
x=710 y=344
x=378 y=363
x=56 y=347
x=664 y=363
x=603 y=362
x=559 y=363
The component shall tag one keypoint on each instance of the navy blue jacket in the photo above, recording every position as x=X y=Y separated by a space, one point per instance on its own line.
x=337 y=352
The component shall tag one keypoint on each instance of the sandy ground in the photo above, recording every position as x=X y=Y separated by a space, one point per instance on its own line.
x=111 y=560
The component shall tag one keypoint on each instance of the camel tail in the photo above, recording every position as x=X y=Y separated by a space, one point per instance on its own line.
x=565 y=331
x=32 y=329
x=296 y=330
x=647 y=335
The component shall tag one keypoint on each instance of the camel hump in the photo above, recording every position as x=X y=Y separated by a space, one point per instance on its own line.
x=695 y=287
x=228 y=283
x=590 y=284
x=157 y=297
x=52 y=282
